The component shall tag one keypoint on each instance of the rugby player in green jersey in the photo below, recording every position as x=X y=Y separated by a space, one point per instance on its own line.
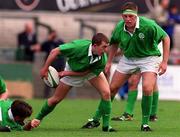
x=138 y=38
x=86 y=60
x=13 y=114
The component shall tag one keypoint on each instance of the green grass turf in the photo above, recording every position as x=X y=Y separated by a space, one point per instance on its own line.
x=70 y=115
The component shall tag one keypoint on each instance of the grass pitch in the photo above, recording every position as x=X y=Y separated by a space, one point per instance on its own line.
x=68 y=117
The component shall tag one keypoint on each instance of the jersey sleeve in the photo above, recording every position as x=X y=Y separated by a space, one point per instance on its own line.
x=159 y=33
x=68 y=49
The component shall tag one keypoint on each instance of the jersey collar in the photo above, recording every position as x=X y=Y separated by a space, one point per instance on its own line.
x=90 y=54
x=136 y=27
x=10 y=114
x=90 y=50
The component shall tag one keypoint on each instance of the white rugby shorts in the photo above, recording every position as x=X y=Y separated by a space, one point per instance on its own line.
x=132 y=65
x=76 y=81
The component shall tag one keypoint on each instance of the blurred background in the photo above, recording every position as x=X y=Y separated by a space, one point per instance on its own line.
x=49 y=23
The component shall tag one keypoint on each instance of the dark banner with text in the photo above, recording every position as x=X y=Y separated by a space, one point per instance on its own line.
x=110 y=6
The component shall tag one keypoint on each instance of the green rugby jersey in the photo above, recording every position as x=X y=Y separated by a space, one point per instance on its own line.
x=143 y=42
x=2 y=86
x=6 y=118
x=80 y=57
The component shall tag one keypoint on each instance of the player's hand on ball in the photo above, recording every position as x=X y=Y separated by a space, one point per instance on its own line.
x=52 y=79
x=35 y=123
x=44 y=73
x=63 y=73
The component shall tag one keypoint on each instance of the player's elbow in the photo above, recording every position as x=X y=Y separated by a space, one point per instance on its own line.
x=55 y=51
x=166 y=40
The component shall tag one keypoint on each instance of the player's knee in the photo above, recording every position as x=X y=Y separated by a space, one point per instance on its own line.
x=113 y=89
x=132 y=86
x=106 y=95
x=147 y=89
x=54 y=100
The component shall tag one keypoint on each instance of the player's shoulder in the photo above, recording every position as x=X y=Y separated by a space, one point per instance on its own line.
x=120 y=23
x=6 y=102
x=147 y=23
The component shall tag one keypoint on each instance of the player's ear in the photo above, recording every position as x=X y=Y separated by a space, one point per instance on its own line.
x=95 y=45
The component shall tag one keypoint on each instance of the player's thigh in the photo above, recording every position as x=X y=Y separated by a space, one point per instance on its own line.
x=133 y=81
x=118 y=80
x=156 y=86
x=100 y=83
x=60 y=92
x=148 y=82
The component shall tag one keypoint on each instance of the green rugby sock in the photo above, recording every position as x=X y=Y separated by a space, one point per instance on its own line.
x=132 y=96
x=155 y=103
x=105 y=108
x=146 y=105
x=45 y=110
x=98 y=113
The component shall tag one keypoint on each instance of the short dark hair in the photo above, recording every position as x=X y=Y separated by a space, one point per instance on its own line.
x=98 y=38
x=130 y=6
x=21 y=109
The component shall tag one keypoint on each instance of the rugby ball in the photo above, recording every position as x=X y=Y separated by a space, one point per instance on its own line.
x=53 y=78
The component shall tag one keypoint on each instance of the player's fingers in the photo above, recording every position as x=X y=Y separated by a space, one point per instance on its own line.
x=43 y=73
x=160 y=67
x=60 y=74
x=44 y=76
x=162 y=71
x=35 y=123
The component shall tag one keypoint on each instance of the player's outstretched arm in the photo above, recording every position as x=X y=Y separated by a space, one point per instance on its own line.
x=166 y=48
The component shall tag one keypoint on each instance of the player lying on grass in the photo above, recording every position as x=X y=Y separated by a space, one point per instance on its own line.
x=86 y=60
x=3 y=89
x=13 y=114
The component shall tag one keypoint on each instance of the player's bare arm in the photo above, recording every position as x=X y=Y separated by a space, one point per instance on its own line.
x=111 y=54
x=166 y=47
x=73 y=73
x=52 y=56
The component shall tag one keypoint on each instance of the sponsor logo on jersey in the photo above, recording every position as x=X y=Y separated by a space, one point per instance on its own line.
x=141 y=36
